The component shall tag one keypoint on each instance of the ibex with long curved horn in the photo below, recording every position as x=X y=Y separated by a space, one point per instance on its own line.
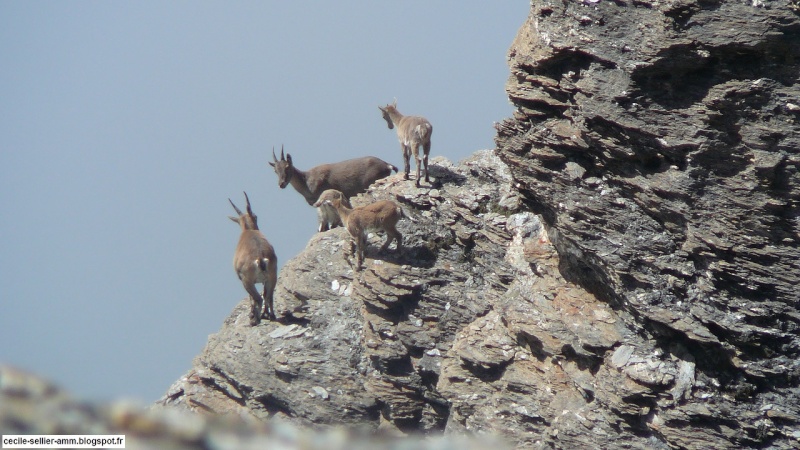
x=412 y=132
x=255 y=262
x=350 y=177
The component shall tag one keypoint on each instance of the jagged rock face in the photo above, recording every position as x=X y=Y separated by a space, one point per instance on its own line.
x=660 y=142
x=626 y=281
x=366 y=348
x=472 y=328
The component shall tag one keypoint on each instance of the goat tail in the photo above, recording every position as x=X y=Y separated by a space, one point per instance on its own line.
x=392 y=167
x=262 y=263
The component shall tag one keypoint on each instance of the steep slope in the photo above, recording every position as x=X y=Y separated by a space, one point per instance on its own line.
x=365 y=348
x=447 y=336
x=661 y=142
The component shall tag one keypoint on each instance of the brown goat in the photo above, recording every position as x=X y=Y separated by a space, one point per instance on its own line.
x=412 y=132
x=381 y=215
x=350 y=177
x=255 y=262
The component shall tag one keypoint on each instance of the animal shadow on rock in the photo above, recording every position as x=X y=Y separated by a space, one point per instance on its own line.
x=443 y=175
x=415 y=256
x=419 y=256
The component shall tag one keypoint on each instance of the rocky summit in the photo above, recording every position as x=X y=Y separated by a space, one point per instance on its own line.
x=472 y=328
x=367 y=348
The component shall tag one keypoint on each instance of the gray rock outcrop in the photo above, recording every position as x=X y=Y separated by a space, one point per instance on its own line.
x=626 y=281
x=366 y=348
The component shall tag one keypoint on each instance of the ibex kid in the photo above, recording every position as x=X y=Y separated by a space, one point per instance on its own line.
x=412 y=132
x=381 y=215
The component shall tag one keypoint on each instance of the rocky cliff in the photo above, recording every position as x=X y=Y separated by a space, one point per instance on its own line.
x=660 y=142
x=622 y=276
x=620 y=272
x=627 y=280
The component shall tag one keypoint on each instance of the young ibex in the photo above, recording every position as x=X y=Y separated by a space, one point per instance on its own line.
x=350 y=177
x=255 y=262
x=328 y=216
x=413 y=132
x=381 y=215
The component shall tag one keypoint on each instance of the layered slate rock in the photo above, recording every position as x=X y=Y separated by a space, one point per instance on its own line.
x=660 y=142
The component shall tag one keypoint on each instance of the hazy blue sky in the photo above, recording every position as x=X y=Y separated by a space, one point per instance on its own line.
x=125 y=127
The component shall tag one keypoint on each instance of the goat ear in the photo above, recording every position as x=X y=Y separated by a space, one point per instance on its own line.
x=272 y=164
x=235 y=219
x=289 y=158
x=394 y=103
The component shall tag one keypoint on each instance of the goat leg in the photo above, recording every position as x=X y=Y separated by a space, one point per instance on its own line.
x=256 y=304
x=406 y=158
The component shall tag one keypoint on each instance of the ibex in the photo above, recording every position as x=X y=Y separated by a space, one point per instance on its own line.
x=350 y=177
x=255 y=262
x=381 y=215
x=328 y=216
x=413 y=132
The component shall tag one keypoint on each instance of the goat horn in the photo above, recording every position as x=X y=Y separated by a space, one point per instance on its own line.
x=250 y=211
x=274 y=158
x=234 y=207
x=282 y=157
